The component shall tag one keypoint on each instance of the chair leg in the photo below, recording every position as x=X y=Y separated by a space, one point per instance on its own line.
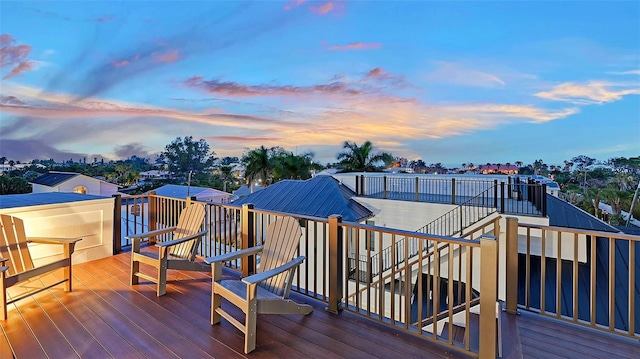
x=216 y=302
x=3 y=297
x=135 y=268
x=250 y=326
x=162 y=277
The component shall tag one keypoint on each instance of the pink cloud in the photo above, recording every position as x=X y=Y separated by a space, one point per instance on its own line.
x=170 y=56
x=14 y=57
x=234 y=89
x=291 y=4
x=324 y=8
x=18 y=70
x=117 y=63
x=356 y=46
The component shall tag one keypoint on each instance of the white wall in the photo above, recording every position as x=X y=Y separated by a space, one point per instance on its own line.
x=91 y=220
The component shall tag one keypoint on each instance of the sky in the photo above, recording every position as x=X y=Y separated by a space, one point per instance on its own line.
x=447 y=82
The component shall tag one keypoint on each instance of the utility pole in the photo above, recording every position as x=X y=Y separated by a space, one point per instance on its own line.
x=635 y=198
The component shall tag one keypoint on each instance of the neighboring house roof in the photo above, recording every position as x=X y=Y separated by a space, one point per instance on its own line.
x=53 y=179
x=564 y=214
x=245 y=190
x=321 y=196
x=37 y=199
x=182 y=192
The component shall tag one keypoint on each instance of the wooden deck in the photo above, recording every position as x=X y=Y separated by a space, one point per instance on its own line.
x=105 y=318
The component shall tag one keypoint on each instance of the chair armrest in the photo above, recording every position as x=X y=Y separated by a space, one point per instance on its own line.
x=4 y=269
x=3 y=260
x=152 y=233
x=52 y=240
x=259 y=277
x=234 y=255
x=178 y=241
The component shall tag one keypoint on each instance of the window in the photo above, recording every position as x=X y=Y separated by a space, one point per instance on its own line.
x=80 y=189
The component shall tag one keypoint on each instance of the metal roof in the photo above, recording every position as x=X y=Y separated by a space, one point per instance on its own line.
x=321 y=196
x=37 y=199
x=53 y=179
x=564 y=214
x=182 y=192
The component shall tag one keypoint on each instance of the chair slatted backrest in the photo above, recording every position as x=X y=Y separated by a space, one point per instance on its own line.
x=13 y=245
x=283 y=239
x=189 y=223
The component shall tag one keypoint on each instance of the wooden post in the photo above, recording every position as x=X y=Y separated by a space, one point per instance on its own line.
x=248 y=238
x=117 y=224
x=335 y=264
x=512 y=265
x=153 y=214
x=488 y=296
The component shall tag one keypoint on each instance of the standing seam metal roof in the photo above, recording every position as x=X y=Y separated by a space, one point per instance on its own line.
x=321 y=196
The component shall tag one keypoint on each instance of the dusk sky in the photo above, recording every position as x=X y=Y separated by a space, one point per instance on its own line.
x=445 y=81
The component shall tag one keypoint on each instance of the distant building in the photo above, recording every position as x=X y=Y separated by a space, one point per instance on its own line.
x=72 y=182
x=498 y=169
x=155 y=174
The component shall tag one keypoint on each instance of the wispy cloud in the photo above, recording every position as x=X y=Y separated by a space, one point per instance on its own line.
x=356 y=46
x=456 y=74
x=168 y=56
x=14 y=56
x=234 y=89
x=328 y=7
x=593 y=92
x=292 y=4
x=630 y=72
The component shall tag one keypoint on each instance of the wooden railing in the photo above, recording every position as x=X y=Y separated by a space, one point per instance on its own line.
x=585 y=277
x=428 y=293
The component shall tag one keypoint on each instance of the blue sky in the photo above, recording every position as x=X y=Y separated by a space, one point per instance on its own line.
x=444 y=81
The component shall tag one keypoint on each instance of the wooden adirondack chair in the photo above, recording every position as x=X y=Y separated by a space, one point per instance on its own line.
x=265 y=292
x=177 y=253
x=16 y=265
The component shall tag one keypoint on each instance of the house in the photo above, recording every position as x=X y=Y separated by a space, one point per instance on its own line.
x=155 y=175
x=200 y=193
x=73 y=182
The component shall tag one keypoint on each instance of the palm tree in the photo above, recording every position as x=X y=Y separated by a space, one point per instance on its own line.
x=290 y=166
x=360 y=158
x=258 y=165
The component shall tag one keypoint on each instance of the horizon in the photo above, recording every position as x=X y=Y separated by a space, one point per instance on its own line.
x=449 y=82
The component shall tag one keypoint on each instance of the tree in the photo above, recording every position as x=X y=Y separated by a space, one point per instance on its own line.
x=184 y=155
x=360 y=158
x=583 y=161
x=258 y=165
x=290 y=166
x=14 y=185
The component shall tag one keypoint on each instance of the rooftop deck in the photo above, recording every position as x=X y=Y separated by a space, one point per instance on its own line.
x=104 y=317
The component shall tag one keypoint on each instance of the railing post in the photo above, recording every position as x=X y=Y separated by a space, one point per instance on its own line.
x=117 y=223
x=362 y=189
x=335 y=264
x=512 y=265
x=384 y=187
x=543 y=200
x=495 y=193
x=501 y=197
x=153 y=214
x=248 y=238
x=453 y=191
x=417 y=189
x=488 y=296
x=509 y=188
